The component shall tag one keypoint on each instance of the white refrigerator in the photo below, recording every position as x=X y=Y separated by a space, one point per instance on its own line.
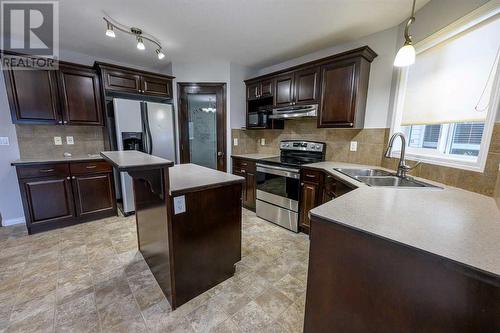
x=145 y=126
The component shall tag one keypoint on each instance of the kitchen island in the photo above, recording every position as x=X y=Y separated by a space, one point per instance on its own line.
x=403 y=260
x=188 y=222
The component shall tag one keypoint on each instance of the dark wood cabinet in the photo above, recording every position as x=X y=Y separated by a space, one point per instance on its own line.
x=80 y=95
x=253 y=90
x=33 y=96
x=266 y=88
x=67 y=96
x=284 y=94
x=47 y=200
x=120 y=79
x=309 y=200
x=61 y=194
x=246 y=169
x=306 y=86
x=260 y=89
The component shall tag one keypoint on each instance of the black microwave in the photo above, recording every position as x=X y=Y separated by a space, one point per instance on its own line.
x=257 y=119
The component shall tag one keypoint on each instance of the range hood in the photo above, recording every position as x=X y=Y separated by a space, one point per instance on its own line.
x=292 y=112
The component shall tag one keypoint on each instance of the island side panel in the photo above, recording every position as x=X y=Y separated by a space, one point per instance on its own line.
x=361 y=283
x=152 y=206
x=206 y=240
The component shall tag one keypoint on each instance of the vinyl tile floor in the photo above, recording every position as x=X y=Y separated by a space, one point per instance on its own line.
x=91 y=278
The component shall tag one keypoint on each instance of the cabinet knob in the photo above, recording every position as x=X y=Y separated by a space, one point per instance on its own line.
x=73 y=177
x=243 y=171
x=60 y=122
x=68 y=178
x=301 y=184
x=65 y=121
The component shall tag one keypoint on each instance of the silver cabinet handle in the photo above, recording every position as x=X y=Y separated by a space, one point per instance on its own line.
x=243 y=171
x=47 y=170
x=65 y=121
x=68 y=178
x=91 y=166
x=73 y=177
x=60 y=122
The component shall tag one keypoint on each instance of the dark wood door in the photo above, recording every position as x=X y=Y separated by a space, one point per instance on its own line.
x=266 y=88
x=308 y=201
x=93 y=193
x=253 y=90
x=79 y=90
x=284 y=90
x=121 y=81
x=250 y=190
x=156 y=86
x=33 y=96
x=200 y=142
x=47 y=199
x=307 y=86
x=338 y=94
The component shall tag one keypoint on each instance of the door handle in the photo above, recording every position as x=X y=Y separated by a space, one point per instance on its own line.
x=220 y=154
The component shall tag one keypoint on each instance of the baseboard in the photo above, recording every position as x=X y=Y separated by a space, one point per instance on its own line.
x=19 y=220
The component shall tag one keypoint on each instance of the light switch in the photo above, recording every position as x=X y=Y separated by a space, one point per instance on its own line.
x=179 y=205
x=57 y=140
x=354 y=145
x=235 y=141
x=263 y=142
x=70 y=140
x=4 y=141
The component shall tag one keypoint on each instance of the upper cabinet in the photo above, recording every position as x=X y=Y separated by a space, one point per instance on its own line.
x=80 y=95
x=125 y=80
x=338 y=84
x=69 y=95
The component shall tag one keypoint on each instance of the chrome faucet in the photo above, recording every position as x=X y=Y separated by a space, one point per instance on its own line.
x=403 y=169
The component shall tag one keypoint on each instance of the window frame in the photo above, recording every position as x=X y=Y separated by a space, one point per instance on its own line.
x=481 y=14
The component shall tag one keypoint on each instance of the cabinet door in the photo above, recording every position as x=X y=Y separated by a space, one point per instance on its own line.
x=156 y=86
x=121 y=81
x=309 y=197
x=250 y=190
x=33 y=96
x=284 y=90
x=93 y=193
x=338 y=95
x=80 y=94
x=307 y=86
x=266 y=88
x=47 y=200
x=253 y=90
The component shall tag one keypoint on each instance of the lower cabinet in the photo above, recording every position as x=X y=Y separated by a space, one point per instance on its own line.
x=55 y=197
x=246 y=169
x=317 y=187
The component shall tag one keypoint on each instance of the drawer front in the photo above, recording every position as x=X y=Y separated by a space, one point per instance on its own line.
x=311 y=176
x=43 y=170
x=90 y=167
x=242 y=165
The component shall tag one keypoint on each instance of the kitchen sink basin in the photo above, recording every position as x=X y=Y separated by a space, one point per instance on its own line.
x=377 y=177
x=363 y=172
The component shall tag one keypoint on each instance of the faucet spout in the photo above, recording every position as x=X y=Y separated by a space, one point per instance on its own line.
x=402 y=167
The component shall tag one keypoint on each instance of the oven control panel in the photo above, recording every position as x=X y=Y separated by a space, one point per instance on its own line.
x=302 y=145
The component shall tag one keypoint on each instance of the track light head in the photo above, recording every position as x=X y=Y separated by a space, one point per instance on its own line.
x=140 y=44
x=160 y=54
x=110 y=32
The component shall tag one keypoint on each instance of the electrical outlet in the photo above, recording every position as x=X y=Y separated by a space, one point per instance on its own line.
x=263 y=142
x=70 y=140
x=57 y=140
x=354 y=145
x=4 y=141
x=179 y=204
x=235 y=141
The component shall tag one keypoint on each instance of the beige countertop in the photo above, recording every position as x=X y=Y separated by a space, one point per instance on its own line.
x=82 y=158
x=255 y=156
x=131 y=160
x=191 y=177
x=452 y=223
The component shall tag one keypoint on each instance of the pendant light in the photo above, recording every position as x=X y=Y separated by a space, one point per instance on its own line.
x=406 y=54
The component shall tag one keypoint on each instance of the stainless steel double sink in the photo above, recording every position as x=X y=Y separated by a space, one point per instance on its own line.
x=378 y=177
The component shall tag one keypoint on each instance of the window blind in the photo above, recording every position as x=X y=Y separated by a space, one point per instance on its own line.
x=447 y=80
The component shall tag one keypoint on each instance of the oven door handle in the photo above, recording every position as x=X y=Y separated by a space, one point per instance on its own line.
x=289 y=173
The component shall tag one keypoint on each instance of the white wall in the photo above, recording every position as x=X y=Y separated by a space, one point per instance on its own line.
x=238 y=74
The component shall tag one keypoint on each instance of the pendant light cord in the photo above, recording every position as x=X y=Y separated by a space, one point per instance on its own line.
x=486 y=85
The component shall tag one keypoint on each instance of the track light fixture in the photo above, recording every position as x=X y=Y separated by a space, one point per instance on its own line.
x=137 y=33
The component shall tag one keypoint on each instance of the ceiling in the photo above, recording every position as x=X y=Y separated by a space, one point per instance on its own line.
x=255 y=33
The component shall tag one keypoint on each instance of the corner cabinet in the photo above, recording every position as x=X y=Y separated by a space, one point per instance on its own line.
x=338 y=84
x=119 y=79
x=67 y=96
x=62 y=194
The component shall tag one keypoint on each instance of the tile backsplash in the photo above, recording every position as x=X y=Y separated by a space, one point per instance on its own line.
x=370 y=150
x=37 y=141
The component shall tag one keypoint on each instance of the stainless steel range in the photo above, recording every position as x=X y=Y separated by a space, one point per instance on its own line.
x=278 y=181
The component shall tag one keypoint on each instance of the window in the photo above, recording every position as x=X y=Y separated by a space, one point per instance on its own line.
x=447 y=101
